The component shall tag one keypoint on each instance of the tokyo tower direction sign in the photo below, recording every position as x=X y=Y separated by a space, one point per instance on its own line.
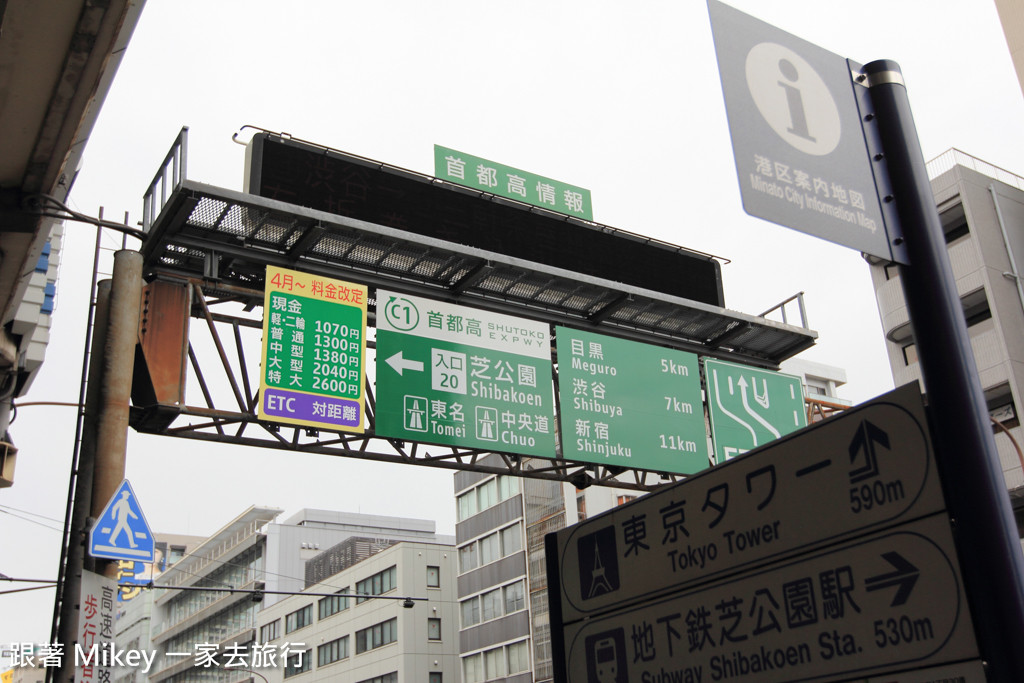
x=460 y=376
x=871 y=467
x=816 y=557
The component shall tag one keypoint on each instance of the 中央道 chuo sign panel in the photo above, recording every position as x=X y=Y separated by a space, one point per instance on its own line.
x=314 y=340
x=460 y=376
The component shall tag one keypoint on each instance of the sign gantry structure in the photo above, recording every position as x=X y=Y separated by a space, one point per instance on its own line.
x=350 y=251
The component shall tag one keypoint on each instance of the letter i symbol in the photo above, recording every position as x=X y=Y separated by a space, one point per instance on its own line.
x=797 y=115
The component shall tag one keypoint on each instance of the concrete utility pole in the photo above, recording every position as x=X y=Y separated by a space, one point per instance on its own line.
x=101 y=463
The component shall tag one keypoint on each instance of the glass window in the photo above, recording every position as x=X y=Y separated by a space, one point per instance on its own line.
x=270 y=631
x=298 y=619
x=490 y=549
x=494 y=663
x=490 y=605
x=507 y=486
x=467 y=557
x=378 y=584
x=298 y=663
x=467 y=505
x=511 y=539
x=487 y=494
x=470 y=612
x=433 y=629
x=386 y=678
x=376 y=636
x=332 y=652
x=518 y=657
x=472 y=669
x=434 y=677
x=433 y=577
x=515 y=597
x=332 y=605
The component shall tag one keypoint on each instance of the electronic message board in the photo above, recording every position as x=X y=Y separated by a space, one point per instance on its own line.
x=329 y=180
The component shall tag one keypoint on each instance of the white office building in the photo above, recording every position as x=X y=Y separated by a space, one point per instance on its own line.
x=981 y=208
x=408 y=632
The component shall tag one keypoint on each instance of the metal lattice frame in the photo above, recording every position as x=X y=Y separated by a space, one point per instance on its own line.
x=225 y=378
x=220 y=241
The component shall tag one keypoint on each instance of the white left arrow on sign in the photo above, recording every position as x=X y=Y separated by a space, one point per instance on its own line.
x=400 y=364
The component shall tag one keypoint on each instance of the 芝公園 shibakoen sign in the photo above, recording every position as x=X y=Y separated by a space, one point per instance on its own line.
x=748 y=407
x=314 y=340
x=487 y=176
x=627 y=404
x=456 y=375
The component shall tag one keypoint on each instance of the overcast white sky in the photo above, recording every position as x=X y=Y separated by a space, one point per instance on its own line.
x=621 y=99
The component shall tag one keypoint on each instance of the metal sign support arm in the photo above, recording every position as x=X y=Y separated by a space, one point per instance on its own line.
x=968 y=462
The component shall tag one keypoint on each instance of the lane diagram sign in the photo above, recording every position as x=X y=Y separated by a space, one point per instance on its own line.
x=627 y=404
x=867 y=606
x=869 y=468
x=748 y=407
x=460 y=376
x=314 y=341
x=121 y=532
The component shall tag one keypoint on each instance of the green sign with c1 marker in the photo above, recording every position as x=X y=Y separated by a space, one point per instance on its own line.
x=460 y=376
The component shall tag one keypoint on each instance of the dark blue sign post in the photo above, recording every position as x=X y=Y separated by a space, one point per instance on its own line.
x=986 y=535
x=802 y=128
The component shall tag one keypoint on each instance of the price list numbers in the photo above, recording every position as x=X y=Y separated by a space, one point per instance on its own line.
x=313 y=349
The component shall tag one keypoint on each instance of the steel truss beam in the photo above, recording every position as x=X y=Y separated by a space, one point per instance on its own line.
x=222 y=328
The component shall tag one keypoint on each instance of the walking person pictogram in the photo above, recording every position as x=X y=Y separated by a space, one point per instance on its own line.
x=122 y=515
x=122 y=511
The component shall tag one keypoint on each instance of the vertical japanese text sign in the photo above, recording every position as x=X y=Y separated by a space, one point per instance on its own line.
x=314 y=341
x=461 y=376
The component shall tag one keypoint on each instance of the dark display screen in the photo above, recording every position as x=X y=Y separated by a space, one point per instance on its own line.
x=337 y=183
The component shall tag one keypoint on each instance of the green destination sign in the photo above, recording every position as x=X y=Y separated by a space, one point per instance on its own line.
x=628 y=404
x=480 y=174
x=749 y=407
x=464 y=377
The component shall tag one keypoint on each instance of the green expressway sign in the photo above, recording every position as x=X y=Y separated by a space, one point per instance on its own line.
x=628 y=404
x=748 y=407
x=487 y=176
x=459 y=376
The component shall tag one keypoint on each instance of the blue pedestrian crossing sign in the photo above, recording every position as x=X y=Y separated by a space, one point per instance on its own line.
x=121 y=532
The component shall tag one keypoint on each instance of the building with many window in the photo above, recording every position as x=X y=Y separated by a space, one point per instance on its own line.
x=504 y=628
x=981 y=208
x=206 y=635
x=387 y=617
